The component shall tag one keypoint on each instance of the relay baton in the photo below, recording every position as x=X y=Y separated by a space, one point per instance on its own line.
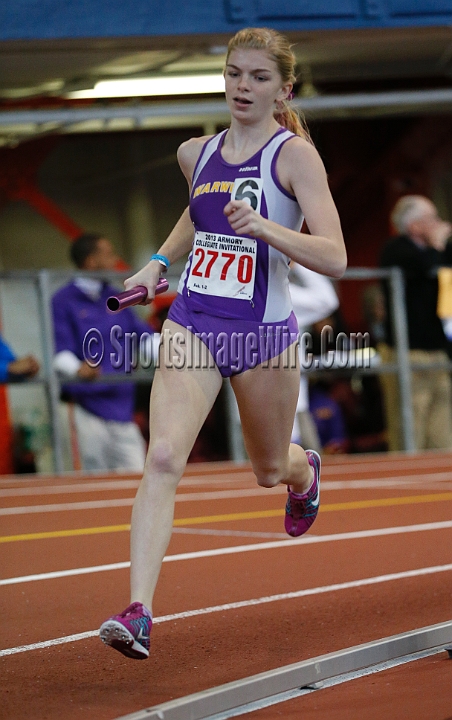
x=135 y=296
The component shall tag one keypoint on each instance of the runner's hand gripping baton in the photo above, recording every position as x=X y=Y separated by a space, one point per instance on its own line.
x=135 y=296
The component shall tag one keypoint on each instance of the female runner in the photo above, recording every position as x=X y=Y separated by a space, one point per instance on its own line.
x=250 y=187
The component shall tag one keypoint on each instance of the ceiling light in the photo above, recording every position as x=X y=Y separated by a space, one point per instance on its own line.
x=138 y=87
x=218 y=49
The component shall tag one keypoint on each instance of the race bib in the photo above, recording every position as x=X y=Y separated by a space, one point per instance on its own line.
x=249 y=190
x=223 y=265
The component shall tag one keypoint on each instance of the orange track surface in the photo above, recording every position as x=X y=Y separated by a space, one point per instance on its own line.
x=220 y=506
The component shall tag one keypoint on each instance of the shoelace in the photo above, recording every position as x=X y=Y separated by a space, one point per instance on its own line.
x=131 y=610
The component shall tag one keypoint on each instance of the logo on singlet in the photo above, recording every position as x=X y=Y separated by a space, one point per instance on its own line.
x=248 y=168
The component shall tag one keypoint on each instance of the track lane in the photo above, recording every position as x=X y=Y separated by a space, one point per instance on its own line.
x=197 y=583
x=44 y=555
x=85 y=678
x=242 y=500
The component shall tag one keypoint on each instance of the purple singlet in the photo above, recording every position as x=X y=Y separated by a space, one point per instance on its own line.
x=232 y=277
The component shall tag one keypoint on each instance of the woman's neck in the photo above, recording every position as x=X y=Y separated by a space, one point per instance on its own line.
x=242 y=141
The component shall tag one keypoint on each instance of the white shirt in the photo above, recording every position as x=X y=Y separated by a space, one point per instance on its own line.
x=314 y=298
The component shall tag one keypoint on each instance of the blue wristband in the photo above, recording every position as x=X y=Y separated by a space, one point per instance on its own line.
x=162 y=259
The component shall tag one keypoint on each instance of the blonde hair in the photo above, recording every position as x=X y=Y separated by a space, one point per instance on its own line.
x=278 y=49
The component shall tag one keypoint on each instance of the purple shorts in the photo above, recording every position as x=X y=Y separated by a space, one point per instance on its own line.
x=236 y=345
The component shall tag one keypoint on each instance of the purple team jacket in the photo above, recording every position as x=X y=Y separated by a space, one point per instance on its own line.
x=75 y=314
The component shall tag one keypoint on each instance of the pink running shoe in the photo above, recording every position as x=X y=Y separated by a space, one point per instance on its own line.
x=129 y=632
x=301 y=510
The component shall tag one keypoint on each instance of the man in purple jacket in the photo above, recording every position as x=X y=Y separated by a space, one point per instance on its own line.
x=89 y=341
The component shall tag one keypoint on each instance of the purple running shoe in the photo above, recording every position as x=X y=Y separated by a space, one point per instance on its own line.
x=301 y=510
x=129 y=632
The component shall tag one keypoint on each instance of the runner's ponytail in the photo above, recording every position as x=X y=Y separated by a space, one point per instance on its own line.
x=292 y=119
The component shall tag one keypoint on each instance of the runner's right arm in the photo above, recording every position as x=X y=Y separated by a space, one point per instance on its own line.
x=180 y=239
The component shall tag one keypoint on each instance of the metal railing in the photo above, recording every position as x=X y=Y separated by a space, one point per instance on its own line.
x=44 y=280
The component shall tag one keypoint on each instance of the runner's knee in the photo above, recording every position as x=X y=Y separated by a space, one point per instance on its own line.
x=269 y=476
x=162 y=459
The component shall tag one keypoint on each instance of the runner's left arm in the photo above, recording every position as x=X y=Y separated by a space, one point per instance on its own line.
x=301 y=172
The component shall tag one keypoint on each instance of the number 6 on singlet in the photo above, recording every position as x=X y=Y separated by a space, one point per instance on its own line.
x=223 y=265
x=248 y=189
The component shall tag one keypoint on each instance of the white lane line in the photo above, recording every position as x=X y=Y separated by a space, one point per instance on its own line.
x=50 y=643
x=76 y=488
x=235 y=549
x=245 y=604
x=111 y=485
x=67 y=573
x=221 y=479
x=124 y=502
x=229 y=533
x=35 y=482
x=347 y=466
x=386 y=465
x=61 y=507
x=123 y=484
x=395 y=480
x=372 y=483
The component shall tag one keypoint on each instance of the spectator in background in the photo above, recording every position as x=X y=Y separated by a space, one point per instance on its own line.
x=313 y=298
x=108 y=438
x=328 y=417
x=13 y=369
x=346 y=407
x=330 y=393
x=374 y=311
x=421 y=247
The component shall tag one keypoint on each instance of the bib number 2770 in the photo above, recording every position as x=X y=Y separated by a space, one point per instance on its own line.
x=222 y=265
x=207 y=259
